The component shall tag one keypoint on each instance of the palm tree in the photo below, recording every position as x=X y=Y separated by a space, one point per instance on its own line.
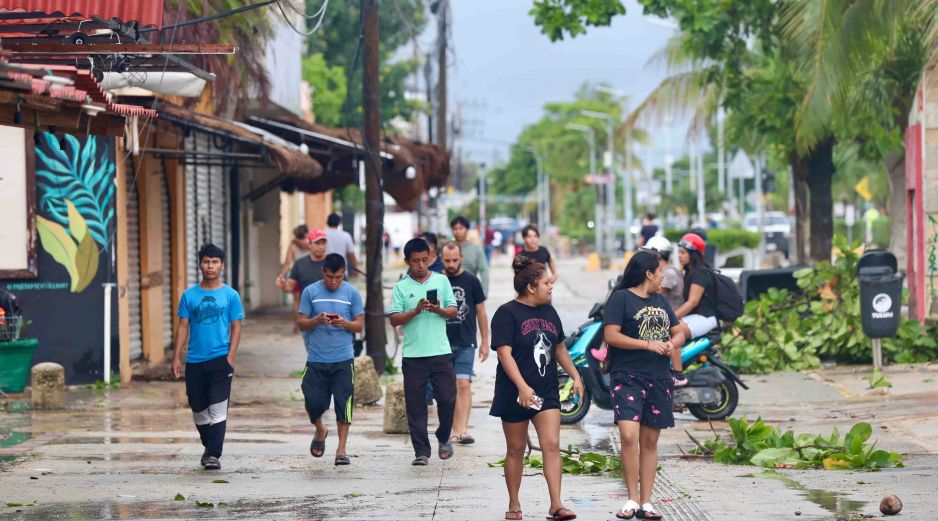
x=862 y=60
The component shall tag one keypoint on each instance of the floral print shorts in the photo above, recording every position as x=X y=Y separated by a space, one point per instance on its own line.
x=638 y=398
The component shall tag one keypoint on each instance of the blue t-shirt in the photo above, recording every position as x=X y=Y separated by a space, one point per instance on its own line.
x=210 y=313
x=330 y=344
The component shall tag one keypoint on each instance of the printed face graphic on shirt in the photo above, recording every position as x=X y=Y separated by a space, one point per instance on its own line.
x=207 y=312
x=541 y=353
x=461 y=306
x=653 y=323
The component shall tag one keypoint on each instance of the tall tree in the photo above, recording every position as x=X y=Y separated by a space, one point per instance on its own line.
x=339 y=43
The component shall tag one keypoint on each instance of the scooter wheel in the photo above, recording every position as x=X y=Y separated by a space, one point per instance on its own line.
x=729 y=399
x=571 y=412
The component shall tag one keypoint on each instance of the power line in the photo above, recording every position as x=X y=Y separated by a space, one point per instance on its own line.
x=321 y=13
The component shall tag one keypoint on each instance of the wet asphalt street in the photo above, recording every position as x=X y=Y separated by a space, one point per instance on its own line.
x=130 y=453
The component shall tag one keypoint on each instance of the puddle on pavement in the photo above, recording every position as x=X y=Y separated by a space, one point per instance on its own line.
x=10 y=438
x=834 y=502
x=599 y=437
x=129 y=509
x=91 y=440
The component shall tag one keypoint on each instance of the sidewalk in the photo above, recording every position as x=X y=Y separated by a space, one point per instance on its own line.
x=127 y=454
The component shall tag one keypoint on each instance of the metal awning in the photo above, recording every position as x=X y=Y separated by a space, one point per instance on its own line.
x=312 y=137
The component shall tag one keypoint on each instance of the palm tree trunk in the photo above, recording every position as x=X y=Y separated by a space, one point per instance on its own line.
x=895 y=168
x=800 y=171
x=821 y=165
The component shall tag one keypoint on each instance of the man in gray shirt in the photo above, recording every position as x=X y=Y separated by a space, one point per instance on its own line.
x=473 y=260
x=339 y=241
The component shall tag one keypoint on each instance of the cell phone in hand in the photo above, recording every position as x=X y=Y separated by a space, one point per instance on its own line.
x=332 y=316
x=536 y=402
x=431 y=296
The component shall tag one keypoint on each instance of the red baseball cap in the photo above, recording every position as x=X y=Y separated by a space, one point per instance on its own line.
x=316 y=235
x=692 y=241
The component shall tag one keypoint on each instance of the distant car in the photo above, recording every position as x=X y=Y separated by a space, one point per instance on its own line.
x=777 y=229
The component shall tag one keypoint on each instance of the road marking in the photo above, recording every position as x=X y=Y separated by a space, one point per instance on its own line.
x=840 y=388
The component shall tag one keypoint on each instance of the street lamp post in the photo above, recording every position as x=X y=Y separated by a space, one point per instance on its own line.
x=541 y=189
x=591 y=139
x=610 y=213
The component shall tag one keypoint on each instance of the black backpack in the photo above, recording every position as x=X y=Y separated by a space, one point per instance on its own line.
x=729 y=301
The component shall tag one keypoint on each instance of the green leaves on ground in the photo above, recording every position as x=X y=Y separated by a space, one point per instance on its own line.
x=785 y=331
x=765 y=446
x=878 y=379
x=179 y=497
x=17 y=505
x=219 y=481
x=574 y=461
x=205 y=504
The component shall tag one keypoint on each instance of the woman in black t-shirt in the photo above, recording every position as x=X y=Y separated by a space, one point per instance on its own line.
x=699 y=312
x=642 y=329
x=528 y=337
x=534 y=251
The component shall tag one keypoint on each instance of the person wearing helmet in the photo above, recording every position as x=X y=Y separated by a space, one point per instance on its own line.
x=699 y=311
x=672 y=288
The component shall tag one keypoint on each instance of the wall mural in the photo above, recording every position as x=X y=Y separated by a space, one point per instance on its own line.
x=75 y=220
x=76 y=191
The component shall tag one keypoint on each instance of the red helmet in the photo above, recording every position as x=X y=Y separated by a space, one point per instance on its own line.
x=693 y=242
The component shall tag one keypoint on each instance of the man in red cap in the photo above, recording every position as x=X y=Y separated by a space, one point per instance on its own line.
x=307 y=270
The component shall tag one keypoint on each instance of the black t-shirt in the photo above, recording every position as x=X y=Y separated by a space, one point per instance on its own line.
x=645 y=319
x=702 y=277
x=648 y=231
x=540 y=255
x=533 y=334
x=306 y=271
x=468 y=292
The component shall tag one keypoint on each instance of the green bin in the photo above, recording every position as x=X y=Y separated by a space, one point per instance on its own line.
x=16 y=358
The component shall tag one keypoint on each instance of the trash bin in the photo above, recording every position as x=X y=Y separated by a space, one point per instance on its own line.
x=16 y=357
x=880 y=293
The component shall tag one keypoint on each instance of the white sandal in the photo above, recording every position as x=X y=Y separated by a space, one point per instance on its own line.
x=646 y=508
x=629 y=506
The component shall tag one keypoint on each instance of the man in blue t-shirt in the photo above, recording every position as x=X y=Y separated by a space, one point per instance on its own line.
x=210 y=315
x=330 y=314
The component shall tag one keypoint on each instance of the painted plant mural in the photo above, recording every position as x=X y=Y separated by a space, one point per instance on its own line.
x=76 y=190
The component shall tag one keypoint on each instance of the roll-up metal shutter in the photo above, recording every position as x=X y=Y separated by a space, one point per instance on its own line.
x=133 y=270
x=167 y=263
x=206 y=206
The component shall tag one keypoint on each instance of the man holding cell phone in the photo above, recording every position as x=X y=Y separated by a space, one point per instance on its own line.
x=330 y=314
x=421 y=303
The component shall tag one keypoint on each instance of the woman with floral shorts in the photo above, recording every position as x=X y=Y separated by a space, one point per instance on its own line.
x=641 y=330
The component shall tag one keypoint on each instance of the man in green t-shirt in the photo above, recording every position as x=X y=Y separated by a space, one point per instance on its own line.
x=421 y=302
x=473 y=258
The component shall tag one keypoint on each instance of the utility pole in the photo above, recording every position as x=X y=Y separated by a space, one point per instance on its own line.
x=441 y=120
x=701 y=188
x=627 y=179
x=721 y=153
x=598 y=216
x=374 y=197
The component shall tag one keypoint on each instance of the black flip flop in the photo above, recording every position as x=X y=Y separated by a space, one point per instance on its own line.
x=342 y=459
x=319 y=445
x=421 y=461
x=650 y=513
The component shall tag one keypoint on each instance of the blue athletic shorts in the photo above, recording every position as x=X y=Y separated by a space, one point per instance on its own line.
x=463 y=360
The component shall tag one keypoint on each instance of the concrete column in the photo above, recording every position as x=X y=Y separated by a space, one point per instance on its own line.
x=48 y=386
x=395 y=411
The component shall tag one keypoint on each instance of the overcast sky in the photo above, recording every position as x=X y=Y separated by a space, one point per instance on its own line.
x=505 y=70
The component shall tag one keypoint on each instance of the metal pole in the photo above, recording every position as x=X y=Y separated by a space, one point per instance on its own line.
x=877 y=354
x=611 y=187
x=597 y=211
x=760 y=213
x=627 y=179
x=482 y=202
x=721 y=153
x=108 y=287
x=701 y=190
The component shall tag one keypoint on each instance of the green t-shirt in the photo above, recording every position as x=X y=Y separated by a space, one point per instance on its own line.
x=425 y=334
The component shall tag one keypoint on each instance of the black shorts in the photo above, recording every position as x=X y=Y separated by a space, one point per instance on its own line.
x=522 y=415
x=325 y=382
x=641 y=399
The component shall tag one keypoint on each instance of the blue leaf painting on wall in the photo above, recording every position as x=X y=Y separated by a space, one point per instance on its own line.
x=81 y=171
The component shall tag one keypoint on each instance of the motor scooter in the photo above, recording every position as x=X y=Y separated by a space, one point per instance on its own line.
x=712 y=391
